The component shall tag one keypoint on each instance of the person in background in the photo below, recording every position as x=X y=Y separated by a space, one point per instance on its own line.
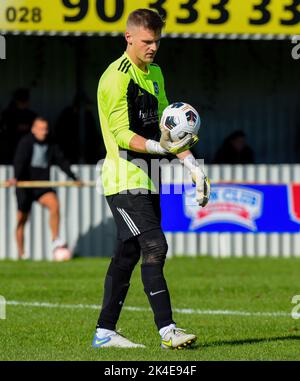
x=34 y=156
x=79 y=145
x=15 y=122
x=235 y=150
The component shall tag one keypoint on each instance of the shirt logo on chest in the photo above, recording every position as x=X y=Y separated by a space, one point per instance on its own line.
x=39 y=157
x=156 y=88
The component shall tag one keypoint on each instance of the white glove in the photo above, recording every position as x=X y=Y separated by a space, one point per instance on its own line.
x=153 y=147
x=176 y=147
x=199 y=179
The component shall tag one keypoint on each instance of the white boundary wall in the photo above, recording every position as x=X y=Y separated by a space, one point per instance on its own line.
x=88 y=227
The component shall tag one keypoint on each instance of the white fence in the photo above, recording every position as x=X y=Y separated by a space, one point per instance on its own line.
x=88 y=227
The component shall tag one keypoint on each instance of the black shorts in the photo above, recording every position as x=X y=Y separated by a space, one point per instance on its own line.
x=26 y=196
x=135 y=213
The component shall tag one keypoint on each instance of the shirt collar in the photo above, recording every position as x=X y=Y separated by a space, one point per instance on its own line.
x=136 y=67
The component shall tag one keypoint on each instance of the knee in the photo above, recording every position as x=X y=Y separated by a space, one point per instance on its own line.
x=127 y=256
x=21 y=221
x=124 y=264
x=54 y=209
x=155 y=251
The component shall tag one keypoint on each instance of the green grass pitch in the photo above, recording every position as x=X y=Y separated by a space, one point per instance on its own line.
x=60 y=329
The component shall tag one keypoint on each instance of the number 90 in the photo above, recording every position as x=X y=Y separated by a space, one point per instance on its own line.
x=83 y=6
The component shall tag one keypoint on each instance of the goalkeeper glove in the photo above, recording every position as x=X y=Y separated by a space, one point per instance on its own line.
x=199 y=179
x=152 y=146
x=176 y=147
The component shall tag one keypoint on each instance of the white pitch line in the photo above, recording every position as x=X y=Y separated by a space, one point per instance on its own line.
x=142 y=309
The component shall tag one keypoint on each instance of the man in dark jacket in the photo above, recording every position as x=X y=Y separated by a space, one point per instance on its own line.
x=235 y=150
x=15 y=123
x=33 y=158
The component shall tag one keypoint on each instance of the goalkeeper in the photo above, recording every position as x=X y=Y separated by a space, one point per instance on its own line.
x=131 y=99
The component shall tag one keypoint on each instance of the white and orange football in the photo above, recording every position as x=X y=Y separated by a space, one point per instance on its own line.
x=62 y=254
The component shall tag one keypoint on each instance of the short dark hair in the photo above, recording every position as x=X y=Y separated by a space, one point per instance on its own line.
x=22 y=94
x=146 y=18
x=237 y=134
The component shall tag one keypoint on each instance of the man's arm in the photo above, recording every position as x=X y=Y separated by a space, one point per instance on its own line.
x=139 y=144
x=163 y=147
x=114 y=101
x=181 y=156
x=22 y=158
x=198 y=176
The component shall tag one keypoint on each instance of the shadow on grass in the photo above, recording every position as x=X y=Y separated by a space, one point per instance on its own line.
x=249 y=341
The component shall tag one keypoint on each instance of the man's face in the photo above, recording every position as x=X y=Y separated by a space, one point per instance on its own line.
x=239 y=143
x=144 y=43
x=22 y=105
x=40 y=130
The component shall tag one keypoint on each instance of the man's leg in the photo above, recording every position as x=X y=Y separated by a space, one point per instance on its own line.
x=115 y=290
x=117 y=283
x=24 y=201
x=50 y=201
x=22 y=217
x=154 y=250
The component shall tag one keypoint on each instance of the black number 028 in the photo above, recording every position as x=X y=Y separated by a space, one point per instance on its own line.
x=23 y=14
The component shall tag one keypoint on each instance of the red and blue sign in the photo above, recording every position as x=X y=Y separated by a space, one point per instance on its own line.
x=233 y=208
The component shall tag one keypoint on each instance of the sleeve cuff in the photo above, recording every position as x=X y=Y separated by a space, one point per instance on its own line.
x=123 y=138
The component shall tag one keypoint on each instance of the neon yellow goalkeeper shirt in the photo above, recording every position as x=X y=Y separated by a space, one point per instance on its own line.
x=130 y=102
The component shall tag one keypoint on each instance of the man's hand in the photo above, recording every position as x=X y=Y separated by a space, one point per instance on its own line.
x=176 y=147
x=11 y=182
x=199 y=179
x=202 y=186
x=79 y=183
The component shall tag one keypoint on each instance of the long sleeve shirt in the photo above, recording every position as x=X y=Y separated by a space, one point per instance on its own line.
x=34 y=158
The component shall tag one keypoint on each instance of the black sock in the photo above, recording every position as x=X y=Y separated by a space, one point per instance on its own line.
x=156 y=289
x=115 y=290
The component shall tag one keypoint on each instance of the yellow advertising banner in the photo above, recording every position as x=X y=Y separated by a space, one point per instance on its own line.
x=183 y=17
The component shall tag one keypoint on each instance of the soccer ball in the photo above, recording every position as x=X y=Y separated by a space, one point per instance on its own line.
x=62 y=254
x=181 y=119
